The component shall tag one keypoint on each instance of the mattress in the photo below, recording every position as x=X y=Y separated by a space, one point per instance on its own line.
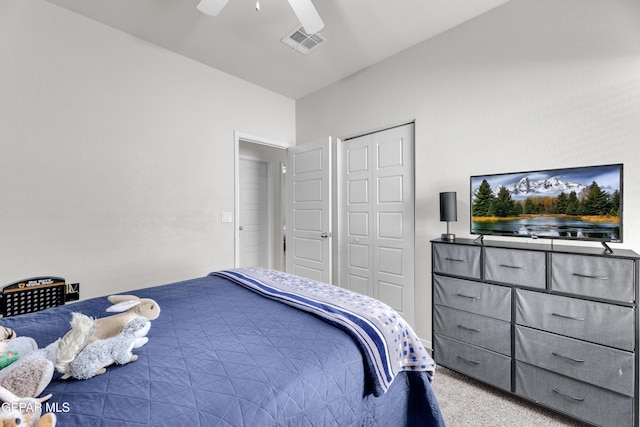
x=221 y=354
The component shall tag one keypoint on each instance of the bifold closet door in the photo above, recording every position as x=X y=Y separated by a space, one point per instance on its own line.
x=377 y=217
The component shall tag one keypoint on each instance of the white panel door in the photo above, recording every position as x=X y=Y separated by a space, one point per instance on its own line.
x=309 y=210
x=357 y=271
x=377 y=189
x=253 y=192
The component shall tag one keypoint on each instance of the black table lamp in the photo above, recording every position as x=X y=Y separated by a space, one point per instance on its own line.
x=448 y=211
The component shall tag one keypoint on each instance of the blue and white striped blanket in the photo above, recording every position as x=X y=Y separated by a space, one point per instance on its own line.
x=387 y=341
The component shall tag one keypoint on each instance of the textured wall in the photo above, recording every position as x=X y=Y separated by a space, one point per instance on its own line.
x=531 y=84
x=116 y=155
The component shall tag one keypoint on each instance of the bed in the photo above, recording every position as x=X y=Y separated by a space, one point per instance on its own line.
x=234 y=348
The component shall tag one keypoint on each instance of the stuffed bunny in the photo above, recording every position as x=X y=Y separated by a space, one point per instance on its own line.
x=95 y=357
x=85 y=330
x=130 y=307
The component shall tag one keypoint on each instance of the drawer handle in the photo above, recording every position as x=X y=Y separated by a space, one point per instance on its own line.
x=578 y=399
x=467 y=296
x=468 y=329
x=588 y=276
x=456 y=260
x=579 y=319
x=567 y=357
x=470 y=362
x=515 y=267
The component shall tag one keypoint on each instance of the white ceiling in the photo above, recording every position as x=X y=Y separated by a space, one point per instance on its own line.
x=246 y=43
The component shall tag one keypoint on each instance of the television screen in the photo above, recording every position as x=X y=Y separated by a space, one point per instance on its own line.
x=583 y=203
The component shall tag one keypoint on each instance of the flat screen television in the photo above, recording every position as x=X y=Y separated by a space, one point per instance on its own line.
x=580 y=203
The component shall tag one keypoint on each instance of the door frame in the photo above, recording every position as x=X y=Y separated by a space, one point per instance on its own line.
x=237 y=137
x=268 y=231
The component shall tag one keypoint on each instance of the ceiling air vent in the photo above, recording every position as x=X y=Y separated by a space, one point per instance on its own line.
x=302 y=42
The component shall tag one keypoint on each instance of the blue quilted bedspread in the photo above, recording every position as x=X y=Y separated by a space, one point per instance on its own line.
x=386 y=340
x=222 y=355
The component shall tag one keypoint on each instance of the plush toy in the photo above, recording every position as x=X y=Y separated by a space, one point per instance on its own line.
x=95 y=357
x=7 y=357
x=31 y=372
x=6 y=333
x=84 y=330
x=16 y=419
x=129 y=307
x=23 y=379
x=18 y=411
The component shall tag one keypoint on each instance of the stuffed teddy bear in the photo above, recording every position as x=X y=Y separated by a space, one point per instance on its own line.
x=84 y=330
x=95 y=357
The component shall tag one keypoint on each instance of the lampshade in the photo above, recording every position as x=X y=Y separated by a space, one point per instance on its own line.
x=448 y=206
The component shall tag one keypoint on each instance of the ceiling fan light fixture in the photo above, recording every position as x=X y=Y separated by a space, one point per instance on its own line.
x=307 y=15
x=304 y=10
x=211 y=7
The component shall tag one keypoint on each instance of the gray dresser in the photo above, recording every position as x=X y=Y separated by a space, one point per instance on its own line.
x=556 y=325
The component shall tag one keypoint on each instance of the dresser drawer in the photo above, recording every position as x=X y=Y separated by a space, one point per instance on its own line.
x=484 y=365
x=602 y=323
x=458 y=260
x=588 y=402
x=516 y=267
x=595 y=364
x=472 y=328
x=488 y=300
x=600 y=277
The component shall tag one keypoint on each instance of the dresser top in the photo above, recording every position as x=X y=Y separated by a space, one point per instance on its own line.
x=546 y=245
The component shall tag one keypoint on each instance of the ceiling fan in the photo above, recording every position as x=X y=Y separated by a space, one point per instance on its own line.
x=304 y=10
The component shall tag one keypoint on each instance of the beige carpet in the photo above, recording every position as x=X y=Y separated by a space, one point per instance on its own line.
x=466 y=402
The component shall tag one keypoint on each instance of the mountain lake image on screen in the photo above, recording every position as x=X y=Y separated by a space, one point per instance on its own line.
x=582 y=203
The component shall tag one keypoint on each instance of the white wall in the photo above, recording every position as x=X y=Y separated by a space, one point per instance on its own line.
x=116 y=155
x=532 y=84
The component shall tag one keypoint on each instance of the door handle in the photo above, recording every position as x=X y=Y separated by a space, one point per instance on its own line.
x=324 y=235
x=240 y=228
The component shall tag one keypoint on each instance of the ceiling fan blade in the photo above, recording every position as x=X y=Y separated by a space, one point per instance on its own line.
x=307 y=15
x=211 y=7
